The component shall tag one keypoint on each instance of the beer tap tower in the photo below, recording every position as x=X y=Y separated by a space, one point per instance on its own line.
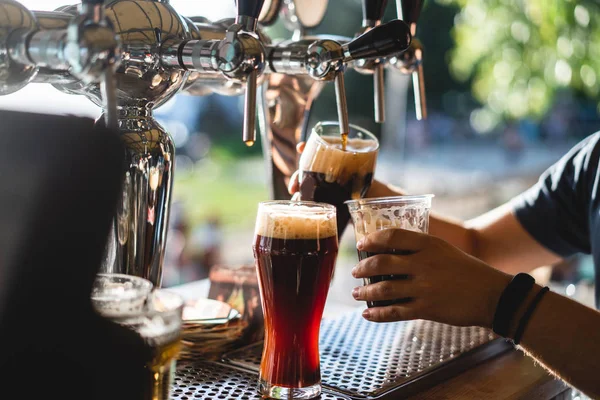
x=131 y=56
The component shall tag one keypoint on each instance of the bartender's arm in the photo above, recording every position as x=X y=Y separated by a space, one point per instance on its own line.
x=556 y=218
x=496 y=237
x=452 y=287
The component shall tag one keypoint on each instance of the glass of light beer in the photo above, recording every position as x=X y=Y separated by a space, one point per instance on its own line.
x=330 y=174
x=404 y=212
x=295 y=248
x=155 y=316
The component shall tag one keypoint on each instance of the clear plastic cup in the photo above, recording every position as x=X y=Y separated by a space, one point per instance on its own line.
x=399 y=212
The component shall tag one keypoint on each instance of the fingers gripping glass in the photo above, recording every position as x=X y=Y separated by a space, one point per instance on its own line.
x=371 y=215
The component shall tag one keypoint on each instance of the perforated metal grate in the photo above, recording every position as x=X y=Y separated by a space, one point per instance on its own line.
x=214 y=381
x=364 y=359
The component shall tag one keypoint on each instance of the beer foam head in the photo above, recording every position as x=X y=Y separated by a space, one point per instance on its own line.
x=296 y=220
x=324 y=154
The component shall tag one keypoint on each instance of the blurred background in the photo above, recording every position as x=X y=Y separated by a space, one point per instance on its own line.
x=511 y=86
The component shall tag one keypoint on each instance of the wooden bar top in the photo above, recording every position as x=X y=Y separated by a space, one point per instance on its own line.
x=511 y=375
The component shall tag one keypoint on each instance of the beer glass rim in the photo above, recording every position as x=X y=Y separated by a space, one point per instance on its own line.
x=174 y=305
x=368 y=133
x=409 y=199
x=141 y=285
x=314 y=206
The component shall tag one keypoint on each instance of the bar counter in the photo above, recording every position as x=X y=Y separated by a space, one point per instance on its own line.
x=490 y=371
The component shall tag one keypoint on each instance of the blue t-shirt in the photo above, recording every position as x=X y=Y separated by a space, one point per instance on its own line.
x=562 y=210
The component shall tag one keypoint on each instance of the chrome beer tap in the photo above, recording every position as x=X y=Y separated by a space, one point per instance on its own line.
x=85 y=48
x=154 y=53
x=326 y=59
x=239 y=57
x=77 y=49
x=373 y=11
x=411 y=61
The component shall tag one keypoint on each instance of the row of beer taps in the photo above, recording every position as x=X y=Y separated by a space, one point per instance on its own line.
x=131 y=56
x=90 y=50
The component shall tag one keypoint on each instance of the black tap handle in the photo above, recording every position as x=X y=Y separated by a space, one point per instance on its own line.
x=373 y=9
x=383 y=40
x=249 y=8
x=411 y=10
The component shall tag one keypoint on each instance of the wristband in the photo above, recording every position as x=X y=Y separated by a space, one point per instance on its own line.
x=513 y=295
x=527 y=315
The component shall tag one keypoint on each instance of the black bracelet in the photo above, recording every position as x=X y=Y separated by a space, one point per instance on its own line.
x=510 y=300
x=527 y=315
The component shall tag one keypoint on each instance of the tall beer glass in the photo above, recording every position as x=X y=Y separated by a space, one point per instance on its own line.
x=331 y=175
x=370 y=215
x=295 y=248
x=155 y=316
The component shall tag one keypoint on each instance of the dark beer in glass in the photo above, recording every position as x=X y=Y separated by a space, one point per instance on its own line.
x=370 y=215
x=329 y=174
x=295 y=248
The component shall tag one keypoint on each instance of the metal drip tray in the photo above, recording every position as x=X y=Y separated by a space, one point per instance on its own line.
x=214 y=381
x=359 y=359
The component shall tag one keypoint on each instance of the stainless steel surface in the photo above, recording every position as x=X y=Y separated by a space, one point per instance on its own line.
x=249 y=132
x=361 y=359
x=108 y=90
x=374 y=66
x=137 y=241
x=145 y=28
x=342 y=105
x=379 y=85
x=93 y=52
x=419 y=91
x=14 y=20
x=206 y=380
x=247 y=23
x=411 y=62
x=242 y=56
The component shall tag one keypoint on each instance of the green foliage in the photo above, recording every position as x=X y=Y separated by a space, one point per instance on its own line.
x=519 y=53
x=222 y=186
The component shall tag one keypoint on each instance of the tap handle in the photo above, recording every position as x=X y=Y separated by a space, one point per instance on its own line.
x=248 y=12
x=381 y=41
x=409 y=11
x=373 y=11
x=108 y=85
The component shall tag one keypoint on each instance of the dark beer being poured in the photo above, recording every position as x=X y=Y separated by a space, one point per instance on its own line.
x=330 y=174
x=295 y=249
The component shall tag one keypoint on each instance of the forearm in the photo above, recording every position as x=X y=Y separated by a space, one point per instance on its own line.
x=563 y=336
x=496 y=237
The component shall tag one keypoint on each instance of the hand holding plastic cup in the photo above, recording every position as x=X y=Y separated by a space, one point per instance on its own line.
x=400 y=212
